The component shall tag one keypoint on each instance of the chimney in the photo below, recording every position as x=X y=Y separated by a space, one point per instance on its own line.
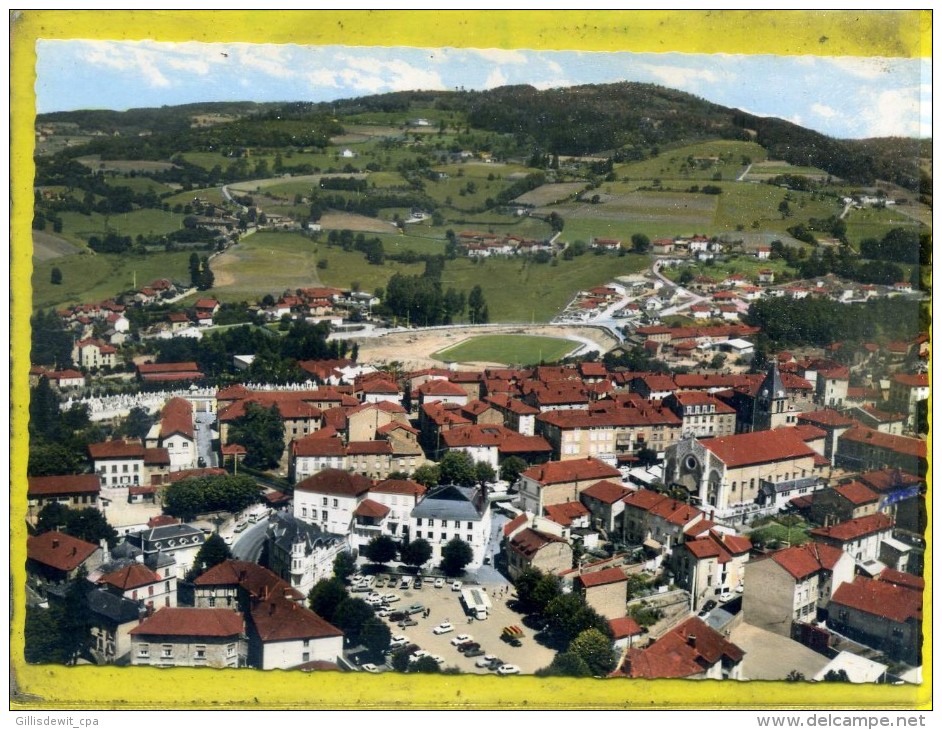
x=55 y=543
x=691 y=639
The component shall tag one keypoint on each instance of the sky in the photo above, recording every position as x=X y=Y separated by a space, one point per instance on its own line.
x=845 y=97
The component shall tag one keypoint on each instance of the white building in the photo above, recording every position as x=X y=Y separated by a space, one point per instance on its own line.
x=450 y=511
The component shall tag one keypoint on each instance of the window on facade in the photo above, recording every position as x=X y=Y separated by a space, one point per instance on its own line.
x=200 y=652
x=470 y=525
x=230 y=650
x=469 y=538
x=457 y=524
x=150 y=590
x=167 y=652
x=418 y=533
x=306 y=643
x=324 y=503
x=306 y=656
x=444 y=536
x=336 y=503
x=134 y=595
x=143 y=651
x=324 y=516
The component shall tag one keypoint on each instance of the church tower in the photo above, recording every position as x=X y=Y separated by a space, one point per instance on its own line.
x=772 y=409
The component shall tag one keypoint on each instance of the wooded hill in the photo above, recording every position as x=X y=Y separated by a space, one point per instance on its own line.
x=623 y=120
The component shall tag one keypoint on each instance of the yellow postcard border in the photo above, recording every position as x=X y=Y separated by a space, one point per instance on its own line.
x=790 y=32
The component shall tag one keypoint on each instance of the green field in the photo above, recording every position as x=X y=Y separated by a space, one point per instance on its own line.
x=673 y=164
x=876 y=223
x=508 y=349
x=92 y=278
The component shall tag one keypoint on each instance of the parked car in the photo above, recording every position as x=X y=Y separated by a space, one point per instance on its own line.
x=370 y=668
x=398 y=641
x=418 y=654
x=415 y=608
x=467 y=646
x=439 y=582
x=456 y=586
x=391 y=598
x=443 y=628
x=383 y=612
x=397 y=616
x=707 y=607
x=429 y=579
x=416 y=584
x=407 y=622
x=461 y=638
x=484 y=661
x=404 y=583
x=473 y=653
x=508 y=669
x=724 y=596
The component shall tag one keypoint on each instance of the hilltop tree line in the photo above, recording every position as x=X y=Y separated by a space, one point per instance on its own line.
x=420 y=300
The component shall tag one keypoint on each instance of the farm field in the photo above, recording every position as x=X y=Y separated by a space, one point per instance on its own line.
x=550 y=194
x=876 y=223
x=94 y=277
x=138 y=183
x=508 y=349
x=520 y=291
x=673 y=164
x=684 y=210
x=270 y=263
x=94 y=162
x=48 y=246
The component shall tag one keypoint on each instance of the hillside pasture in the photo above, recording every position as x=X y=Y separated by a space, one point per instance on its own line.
x=508 y=349
x=138 y=184
x=48 y=246
x=550 y=194
x=94 y=277
x=94 y=163
x=354 y=222
x=699 y=161
x=679 y=208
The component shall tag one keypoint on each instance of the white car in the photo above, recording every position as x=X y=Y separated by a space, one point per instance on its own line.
x=439 y=582
x=456 y=586
x=724 y=596
x=398 y=641
x=416 y=655
x=443 y=628
x=484 y=661
x=461 y=638
x=370 y=668
x=508 y=669
x=391 y=598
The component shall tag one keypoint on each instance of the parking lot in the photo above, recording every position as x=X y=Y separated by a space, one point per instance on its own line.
x=445 y=605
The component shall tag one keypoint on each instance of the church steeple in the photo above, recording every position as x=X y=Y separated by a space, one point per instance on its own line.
x=771 y=401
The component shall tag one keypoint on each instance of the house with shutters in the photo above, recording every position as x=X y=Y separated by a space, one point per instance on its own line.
x=794 y=584
x=449 y=511
x=861 y=538
x=175 y=433
x=300 y=553
x=180 y=541
x=76 y=491
x=884 y=613
x=529 y=547
x=190 y=637
x=556 y=482
x=657 y=521
x=494 y=443
x=519 y=416
x=140 y=583
x=93 y=354
x=605 y=502
x=111 y=618
x=862 y=448
x=54 y=558
x=121 y=463
x=329 y=499
x=710 y=565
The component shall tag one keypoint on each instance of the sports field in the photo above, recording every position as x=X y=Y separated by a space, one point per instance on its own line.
x=508 y=349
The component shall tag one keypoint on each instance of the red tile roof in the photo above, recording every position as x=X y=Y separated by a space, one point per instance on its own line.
x=565 y=513
x=919 y=380
x=890 y=442
x=58 y=550
x=442 y=388
x=369 y=508
x=118 y=449
x=604 y=577
x=887 y=601
x=759 y=447
x=177 y=417
x=368 y=448
x=63 y=484
x=196 y=622
x=573 y=470
x=276 y=619
x=157 y=457
x=133 y=576
x=336 y=481
x=606 y=492
x=166 y=367
x=687 y=650
x=826 y=417
x=644 y=499
x=514 y=524
x=856 y=528
x=886 y=480
x=800 y=561
x=254 y=579
x=209 y=471
x=514 y=405
x=906 y=580
x=624 y=627
x=528 y=542
x=857 y=493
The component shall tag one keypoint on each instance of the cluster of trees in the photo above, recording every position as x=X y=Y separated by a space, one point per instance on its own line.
x=421 y=300
x=110 y=243
x=50 y=343
x=356 y=185
x=369 y=203
x=456 y=553
x=58 y=440
x=60 y=634
x=905 y=245
x=87 y=524
x=261 y=431
x=371 y=248
x=201 y=276
x=582 y=637
x=820 y=322
x=330 y=600
x=188 y=498
x=212 y=552
x=458 y=467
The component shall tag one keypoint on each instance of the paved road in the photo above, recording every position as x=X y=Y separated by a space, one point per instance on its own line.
x=248 y=544
x=203 y=423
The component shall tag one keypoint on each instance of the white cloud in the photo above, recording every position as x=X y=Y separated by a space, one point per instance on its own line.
x=322 y=77
x=681 y=76
x=269 y=60
x=895 y=112
x=502 y=56
x=823 y=110
x=494 y=79
x=553 y=84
